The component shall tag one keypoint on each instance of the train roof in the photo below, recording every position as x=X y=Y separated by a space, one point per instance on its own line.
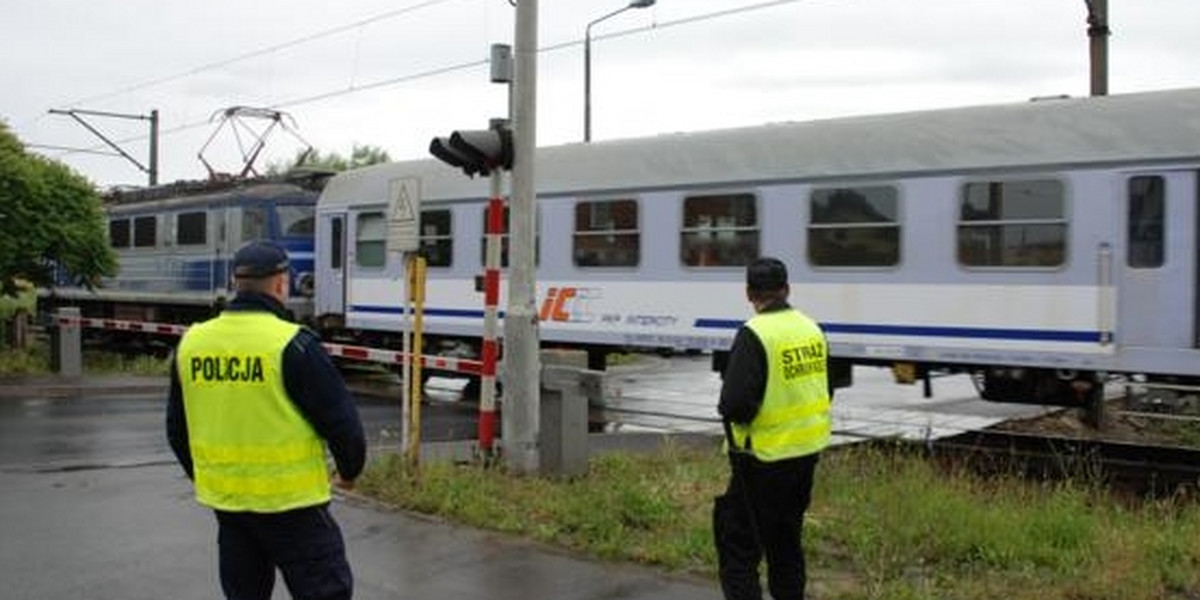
x=302 y=179
x=1147 y=127
x=183 y=196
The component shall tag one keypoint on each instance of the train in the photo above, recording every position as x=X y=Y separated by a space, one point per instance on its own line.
x=174 y=245
x=1041 y=246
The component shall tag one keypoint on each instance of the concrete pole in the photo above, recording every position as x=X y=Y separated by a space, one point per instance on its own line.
x=1098 y=33
x=68 y=343
x=522 y=365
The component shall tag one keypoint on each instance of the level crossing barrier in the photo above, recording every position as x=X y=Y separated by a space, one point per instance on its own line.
x=67 y=347
x=568 y=388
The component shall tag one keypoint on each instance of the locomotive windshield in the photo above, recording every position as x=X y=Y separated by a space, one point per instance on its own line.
x=296 y=220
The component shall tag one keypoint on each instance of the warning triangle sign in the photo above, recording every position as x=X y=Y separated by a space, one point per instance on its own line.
x=403 y=197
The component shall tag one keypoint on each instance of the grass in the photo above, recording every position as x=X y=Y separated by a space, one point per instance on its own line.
x=641 y=497
x=35 y=360
x=884 y=524
x=24 y=361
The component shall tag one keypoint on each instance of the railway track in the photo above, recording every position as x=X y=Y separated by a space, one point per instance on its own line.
x=1141 y=469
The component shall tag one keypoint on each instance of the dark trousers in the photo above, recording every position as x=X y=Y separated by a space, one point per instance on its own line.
x=305 y=544
x=762 y=513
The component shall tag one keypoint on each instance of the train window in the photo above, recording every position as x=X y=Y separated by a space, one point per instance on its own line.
x=606 y=234
x=1147 y=243
x=437 y=241
x=336 y=243
x=370 y=238
x=719 y=230
x=145 y=232
x=191 y=228
x=537 y=240
x=296 y=220
x=118 y=233
x=1012 y=224
x=854 y=227
x=254 y=223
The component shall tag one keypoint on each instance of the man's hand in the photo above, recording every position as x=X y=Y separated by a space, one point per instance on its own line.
x=342 y=484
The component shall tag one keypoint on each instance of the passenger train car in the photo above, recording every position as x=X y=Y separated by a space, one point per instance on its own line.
x=1040 y=246
x=174 y=244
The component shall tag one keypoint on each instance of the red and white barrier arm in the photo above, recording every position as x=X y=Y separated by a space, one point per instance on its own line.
x=163 y=328
x=361 y=353
x=442 y=363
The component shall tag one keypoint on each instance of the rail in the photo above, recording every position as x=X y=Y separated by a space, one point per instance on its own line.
x=1139 y=468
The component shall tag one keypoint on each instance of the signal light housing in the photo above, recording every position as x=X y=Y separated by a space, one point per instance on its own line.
x=475 y=151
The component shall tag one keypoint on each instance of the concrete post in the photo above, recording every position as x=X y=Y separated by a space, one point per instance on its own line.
x=66 y=346
x=521 y=339
x=564 y=419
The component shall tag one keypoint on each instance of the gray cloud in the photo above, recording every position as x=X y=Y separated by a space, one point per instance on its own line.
x=793 y=61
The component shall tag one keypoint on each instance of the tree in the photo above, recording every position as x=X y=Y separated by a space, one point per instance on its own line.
x=50 y=218
x=360 y=156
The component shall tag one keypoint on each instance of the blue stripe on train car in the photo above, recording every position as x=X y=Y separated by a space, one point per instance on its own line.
x=205 y=274
x=457 y=313
x=1041 y=335
x=992 y=333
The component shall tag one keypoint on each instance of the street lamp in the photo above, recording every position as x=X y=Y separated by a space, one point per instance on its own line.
x=587 y=64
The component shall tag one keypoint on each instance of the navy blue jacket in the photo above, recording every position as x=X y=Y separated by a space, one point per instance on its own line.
x=312 y=383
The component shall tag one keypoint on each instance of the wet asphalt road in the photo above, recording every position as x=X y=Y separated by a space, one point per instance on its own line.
x=94 y=507
x=123 y=429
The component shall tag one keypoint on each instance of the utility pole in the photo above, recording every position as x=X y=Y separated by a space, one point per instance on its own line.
x=522 y=364
x=152 y=169
x=1098 y=33
x=587 y=63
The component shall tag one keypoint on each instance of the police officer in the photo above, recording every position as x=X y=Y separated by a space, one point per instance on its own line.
x=254 y=400
x=775 y=404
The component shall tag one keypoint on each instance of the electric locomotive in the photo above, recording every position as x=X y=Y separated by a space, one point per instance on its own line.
x=174 y=244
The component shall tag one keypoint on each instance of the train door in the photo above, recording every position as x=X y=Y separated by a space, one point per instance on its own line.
x=225 y=244
x=1157 y=302
x=331 y=264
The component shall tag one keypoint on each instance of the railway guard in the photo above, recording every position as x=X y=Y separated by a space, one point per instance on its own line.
x=775 y=405
x=254 y=400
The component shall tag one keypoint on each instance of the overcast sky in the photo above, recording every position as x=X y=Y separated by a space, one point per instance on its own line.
x=394 y=73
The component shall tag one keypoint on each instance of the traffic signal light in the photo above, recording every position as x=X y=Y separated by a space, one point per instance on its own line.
x=475 y=151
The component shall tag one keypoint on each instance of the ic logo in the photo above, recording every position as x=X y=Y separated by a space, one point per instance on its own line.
x=567 y=304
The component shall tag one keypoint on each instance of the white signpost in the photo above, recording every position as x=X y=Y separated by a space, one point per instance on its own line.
x=404 y=237
x=403 y=215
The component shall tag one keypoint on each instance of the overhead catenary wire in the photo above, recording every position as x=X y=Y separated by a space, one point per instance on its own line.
x=396 y=80
x=312 y=37
x=318 y=35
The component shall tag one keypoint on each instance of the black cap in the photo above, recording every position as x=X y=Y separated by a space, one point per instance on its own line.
x=766 y=275
x=259 y=259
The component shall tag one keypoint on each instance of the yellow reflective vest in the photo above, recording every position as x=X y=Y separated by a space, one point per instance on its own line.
x=252 y=449
x=794 y=419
